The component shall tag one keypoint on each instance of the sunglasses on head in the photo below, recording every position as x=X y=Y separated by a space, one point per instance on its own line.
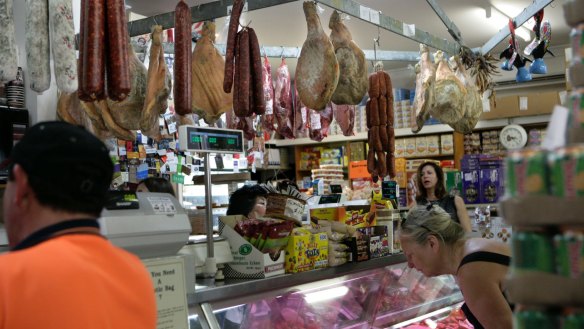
x=429 y=208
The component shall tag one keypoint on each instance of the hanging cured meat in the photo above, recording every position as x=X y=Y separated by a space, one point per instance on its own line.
x=63 y=44
x=268 y=86
x=345 y=116
x=282 y=101
x=38 y=50
x=158 y=85
x=381 y=135
x=118 y=72
x=319 y=123
x=123 y=117
x=208 y=66
x=317 y=71
x=182 y=59
x=231 y=44
x=353 y=81
x=473 y=101
x=449 y=93
x=8 y=57
x=425 y=79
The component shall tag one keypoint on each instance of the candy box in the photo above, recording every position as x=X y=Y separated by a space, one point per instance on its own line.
x=357 y=216
x=492 y=186
x=471 y=186
x=306 y=251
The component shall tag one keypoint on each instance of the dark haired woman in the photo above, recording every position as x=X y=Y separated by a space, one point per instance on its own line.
x=431 y=190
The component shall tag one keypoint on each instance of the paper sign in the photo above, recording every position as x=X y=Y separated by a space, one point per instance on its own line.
x=523 y=103
x=162 y=205
x=364 y=12
x=409 y=30
x=161 y=152
x=358 y=169
x=168 y=277
x=122 y=150
x=144 y=139
x=178 y=178
x=374 y=16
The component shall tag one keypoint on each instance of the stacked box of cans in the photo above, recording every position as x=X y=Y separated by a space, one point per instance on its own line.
x=482 y=178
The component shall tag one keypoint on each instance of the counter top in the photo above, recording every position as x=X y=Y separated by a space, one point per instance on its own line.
x=209 y=290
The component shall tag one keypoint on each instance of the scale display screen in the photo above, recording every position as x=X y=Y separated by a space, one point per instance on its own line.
x=204 y=139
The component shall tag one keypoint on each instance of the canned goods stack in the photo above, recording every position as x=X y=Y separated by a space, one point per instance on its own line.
x=573 y=12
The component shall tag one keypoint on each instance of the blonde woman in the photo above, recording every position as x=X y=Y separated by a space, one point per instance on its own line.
x=435 y=245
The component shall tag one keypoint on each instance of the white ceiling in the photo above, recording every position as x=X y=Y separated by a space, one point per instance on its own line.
x=284 y=25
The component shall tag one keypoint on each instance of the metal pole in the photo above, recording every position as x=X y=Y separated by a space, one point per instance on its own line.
x=209 y=207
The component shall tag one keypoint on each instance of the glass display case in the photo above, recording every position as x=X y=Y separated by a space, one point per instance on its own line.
x=380 y=293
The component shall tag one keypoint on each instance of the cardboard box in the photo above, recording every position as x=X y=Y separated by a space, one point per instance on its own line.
x=492 y=185
x=332 y=214
x=400 y=147
x=357 y=216
x=306 y=252
x=523 y=105
x=359 y=248
x=410 y=146
x=446 y=144
x=433 y=142
x=378 y=243
x=471 y=186
x=248 y=261
x=421 y=146
x=357 y=151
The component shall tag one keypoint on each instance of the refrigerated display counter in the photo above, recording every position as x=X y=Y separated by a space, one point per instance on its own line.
x=379 y=293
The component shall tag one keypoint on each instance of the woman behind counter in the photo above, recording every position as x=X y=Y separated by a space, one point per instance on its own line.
x=155 y=184
x=431 y=190
x=436 y=245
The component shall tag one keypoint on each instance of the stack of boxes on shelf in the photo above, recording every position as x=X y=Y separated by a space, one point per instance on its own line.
x=430 y=145
x=546 y=203
x=326 y=175
x=403 y=100
x=482 y=179
x=488 y=142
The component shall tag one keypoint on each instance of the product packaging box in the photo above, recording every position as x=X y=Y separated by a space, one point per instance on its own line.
x=306 y=252
x=433 y=145
x=357 y=216
x=399 y=147
x=446 y=144
x=359 y=248
x=332 y=214
x=471 y=186
x=453 y=182
x=421 y=146
x=492 y=185
x=357 y=152
x=410 y=146
x=378 y=241
x=248 y=261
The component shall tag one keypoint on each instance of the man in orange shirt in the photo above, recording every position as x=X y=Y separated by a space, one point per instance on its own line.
x=61 y=272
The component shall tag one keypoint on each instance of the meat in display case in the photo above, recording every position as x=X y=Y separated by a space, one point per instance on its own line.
x=377 y=295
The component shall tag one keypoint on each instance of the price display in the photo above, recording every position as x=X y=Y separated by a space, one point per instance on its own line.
x=205 y=139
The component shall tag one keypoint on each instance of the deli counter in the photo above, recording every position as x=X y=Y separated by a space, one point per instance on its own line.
x=379 y=293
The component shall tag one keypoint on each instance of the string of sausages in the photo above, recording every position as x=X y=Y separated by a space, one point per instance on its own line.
x=381 y=135
x=243 y=67
x=103 y=49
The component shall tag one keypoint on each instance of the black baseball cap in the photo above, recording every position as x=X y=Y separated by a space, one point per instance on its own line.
x=67 y=158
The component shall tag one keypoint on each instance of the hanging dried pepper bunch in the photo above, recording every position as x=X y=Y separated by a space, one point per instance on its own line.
x=482 y=68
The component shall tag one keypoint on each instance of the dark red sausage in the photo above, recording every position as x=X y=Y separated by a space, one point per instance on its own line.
x=368 y=113
x=374 y=85
x=257 y=74
x=374 y=112
x=230 y=46
x=390 y=118
x=391 y=139
x=244 y=109
x=237 y=75
x=382 y=86
x=119 y=83
x=92 y=50
x=382 y=102
x=182 y=58
x=381 y=164
x=384 y=138
x=371 y=165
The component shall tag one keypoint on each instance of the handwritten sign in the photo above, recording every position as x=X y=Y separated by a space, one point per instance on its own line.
x=358 y=169
x=168 y=277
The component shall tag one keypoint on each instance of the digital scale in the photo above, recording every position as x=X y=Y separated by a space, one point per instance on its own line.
x=207 y=140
